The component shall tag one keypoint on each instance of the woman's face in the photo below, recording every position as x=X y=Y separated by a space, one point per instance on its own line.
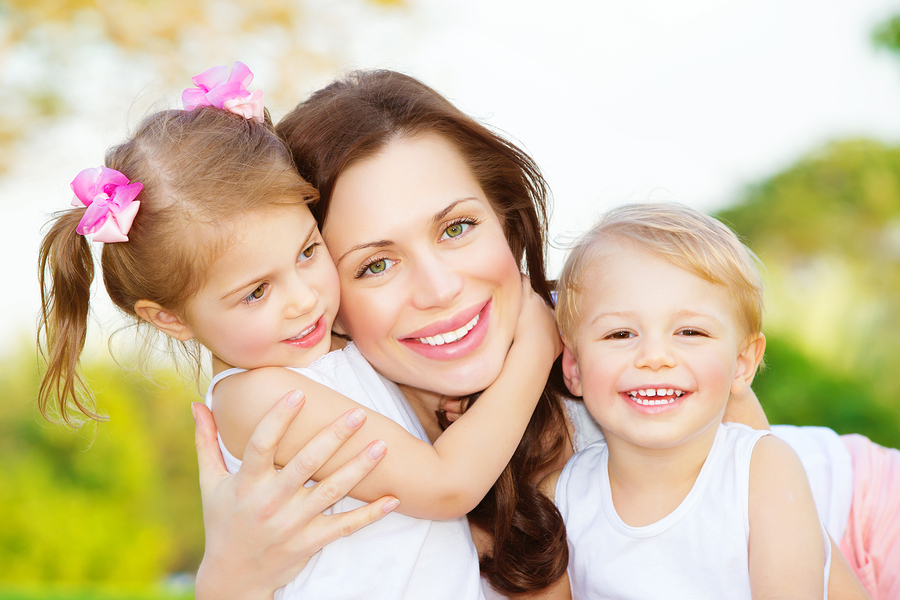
x=430 y=291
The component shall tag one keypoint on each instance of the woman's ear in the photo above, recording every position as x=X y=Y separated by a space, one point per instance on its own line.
x=167 y=322
x=748 y=362
x=571 y=375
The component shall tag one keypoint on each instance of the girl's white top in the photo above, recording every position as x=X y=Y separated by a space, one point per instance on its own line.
x=398 y=556
x=699 y=550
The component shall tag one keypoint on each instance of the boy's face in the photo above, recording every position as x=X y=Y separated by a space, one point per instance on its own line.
x=658 y=349
x=272 y=297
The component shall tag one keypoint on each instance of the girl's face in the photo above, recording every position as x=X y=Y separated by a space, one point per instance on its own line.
x=271 y=298
x=430 y=291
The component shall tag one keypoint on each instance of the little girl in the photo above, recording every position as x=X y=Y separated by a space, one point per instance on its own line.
x=660 y=311
x=208 y=238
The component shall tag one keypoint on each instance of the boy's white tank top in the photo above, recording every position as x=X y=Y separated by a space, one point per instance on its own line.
x=699 y=550
x=398 y=556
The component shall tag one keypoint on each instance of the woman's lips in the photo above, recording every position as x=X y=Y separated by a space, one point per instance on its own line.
x=453 y=338
x=310 y=336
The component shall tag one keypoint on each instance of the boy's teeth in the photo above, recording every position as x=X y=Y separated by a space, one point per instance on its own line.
x=451 y=336
x=660 y=395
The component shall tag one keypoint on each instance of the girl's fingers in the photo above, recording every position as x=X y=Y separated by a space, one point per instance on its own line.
x=259 y=455
x=209 y=456
x=318 y=450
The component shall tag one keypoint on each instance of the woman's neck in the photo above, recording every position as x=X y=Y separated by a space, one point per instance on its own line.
x=425 y=404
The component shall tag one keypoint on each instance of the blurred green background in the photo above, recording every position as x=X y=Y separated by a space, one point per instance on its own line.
x=112 y=511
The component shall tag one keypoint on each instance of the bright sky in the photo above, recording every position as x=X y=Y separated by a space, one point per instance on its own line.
x=688 y=101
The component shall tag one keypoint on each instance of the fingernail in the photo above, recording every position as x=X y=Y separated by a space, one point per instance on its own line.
x=294 y=398
x=194 y=411
x=390 y=505
x=356 y=417
x=376 y=449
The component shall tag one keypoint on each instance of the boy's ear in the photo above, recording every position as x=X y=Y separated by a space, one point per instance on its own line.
x=571 y=375
x=748 y=362
x=167 y=322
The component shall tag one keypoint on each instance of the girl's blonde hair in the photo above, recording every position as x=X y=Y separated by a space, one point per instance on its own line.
x=686 y=237
x=201 y=170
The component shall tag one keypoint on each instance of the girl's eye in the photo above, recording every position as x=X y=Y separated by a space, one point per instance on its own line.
x=375 y=267
x=457 y=229
x=308 y=252
x=256 y=294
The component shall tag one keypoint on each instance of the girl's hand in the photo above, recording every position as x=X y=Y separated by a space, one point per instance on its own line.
x=537 y=324
x=262 y=525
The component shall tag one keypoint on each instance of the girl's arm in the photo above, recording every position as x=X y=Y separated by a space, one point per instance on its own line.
x=786 y=544
x=745 y=408
x=442 y=481
x=262 y=525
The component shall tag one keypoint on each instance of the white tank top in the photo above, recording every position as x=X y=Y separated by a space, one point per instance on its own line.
x=398 y=556
x=699 y=550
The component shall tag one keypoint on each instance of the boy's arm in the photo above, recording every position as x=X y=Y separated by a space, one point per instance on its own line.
x=786 y=544
x=842 y=582
x=442 y=481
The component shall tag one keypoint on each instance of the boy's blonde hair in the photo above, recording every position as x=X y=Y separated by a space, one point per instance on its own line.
x=686 y=237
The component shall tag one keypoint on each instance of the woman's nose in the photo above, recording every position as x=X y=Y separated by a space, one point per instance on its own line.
x=436 y=281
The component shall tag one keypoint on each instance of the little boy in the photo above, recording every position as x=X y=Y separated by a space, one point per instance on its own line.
x=660 y=309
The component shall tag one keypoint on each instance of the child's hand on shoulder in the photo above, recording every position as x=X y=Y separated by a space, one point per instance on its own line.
x=537 y=324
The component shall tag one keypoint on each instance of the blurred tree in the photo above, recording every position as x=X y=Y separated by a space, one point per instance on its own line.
x=828 y=231
x=115 y=504
x=887 y=35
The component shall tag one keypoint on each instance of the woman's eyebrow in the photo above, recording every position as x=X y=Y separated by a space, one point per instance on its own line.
x=438 y=217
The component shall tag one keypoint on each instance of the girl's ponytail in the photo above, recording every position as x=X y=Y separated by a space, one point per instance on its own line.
x=66 y=270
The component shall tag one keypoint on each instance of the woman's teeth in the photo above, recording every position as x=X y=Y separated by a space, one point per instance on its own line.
x=451 y=336
x=659 y=396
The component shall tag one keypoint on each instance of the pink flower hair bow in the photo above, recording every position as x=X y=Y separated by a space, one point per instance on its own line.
x=110 y=201
x=215 y=87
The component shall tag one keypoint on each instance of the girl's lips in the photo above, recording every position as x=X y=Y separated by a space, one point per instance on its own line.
x=471 y=325
x=310 y=339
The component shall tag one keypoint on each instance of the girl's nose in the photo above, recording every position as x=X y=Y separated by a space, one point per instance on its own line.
x=302 y=298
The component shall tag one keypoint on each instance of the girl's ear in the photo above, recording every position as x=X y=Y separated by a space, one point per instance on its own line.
x=337 y=328
x=571 y=375
x=167 y=322
x=748 y=362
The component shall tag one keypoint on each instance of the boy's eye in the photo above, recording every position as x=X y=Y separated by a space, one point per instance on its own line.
x=692 y=333
x=620 y=335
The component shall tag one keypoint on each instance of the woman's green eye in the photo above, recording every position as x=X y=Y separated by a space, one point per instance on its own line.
x=378 y=266
x=454 y=230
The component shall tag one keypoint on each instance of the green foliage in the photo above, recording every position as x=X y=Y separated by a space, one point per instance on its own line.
x=117 y=503
x=887 y=35
x=828 y=231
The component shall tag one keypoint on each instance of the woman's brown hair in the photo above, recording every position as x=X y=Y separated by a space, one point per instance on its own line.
x=353 y=119
x=200 y=170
